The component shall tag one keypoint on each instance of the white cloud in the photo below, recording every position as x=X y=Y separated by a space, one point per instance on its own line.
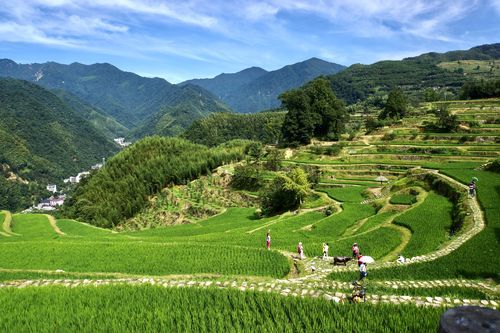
x=13 y=32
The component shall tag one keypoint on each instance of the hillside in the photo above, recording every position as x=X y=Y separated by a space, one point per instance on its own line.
x=106 y=124
x=126 y=97
x=413 y=75
x=190 y=104
x=44 y=139
x=481 y=52
x=120 y=189
x=261 y=93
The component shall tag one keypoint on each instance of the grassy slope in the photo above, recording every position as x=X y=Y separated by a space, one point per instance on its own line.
x=429 y=223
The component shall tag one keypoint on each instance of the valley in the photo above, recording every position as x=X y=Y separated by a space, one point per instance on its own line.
x=169 y=234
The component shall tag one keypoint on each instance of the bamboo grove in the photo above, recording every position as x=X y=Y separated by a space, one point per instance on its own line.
x=122 y=187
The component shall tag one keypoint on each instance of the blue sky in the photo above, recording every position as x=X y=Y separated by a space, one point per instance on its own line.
x=180 y=40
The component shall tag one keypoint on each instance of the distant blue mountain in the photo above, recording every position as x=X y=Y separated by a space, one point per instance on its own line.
x=255 y=89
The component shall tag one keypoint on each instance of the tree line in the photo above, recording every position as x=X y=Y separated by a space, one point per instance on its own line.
x=221 y=127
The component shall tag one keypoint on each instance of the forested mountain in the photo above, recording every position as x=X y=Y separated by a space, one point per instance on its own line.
x=221 y=127
x=106 y=124
x=43 y=139
x=194 y=103
x=413 y=75
x=224 y=84
x=120 y=189
x=261 y=93
x=124 y=96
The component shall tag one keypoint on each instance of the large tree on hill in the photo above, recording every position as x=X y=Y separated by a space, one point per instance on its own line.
x=396 y=105
x=313 y=111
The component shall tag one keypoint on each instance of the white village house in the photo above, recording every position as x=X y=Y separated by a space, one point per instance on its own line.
x=52 y=188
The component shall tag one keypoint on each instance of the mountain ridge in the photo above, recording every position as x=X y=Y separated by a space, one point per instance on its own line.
x=262 y=91
x=125 y=96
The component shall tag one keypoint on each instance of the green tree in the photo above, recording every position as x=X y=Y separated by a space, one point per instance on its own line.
x=286 y=192
x=313 y=110
x=313 y=174
x=396 y=105
x=246 y=177
x=274 y=157
x=254 y=151
x=446 y=121
x=371 y=124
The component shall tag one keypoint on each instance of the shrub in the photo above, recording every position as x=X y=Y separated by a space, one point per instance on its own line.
x=494 y=166
x=389 y=136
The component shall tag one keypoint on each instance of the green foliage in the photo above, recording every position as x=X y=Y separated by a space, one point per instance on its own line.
x=120 y=189
x=14 y=195
x=431 y=95
x=313 y=111
x=104 y=123
x=42 y=140
x=313 y=174
x=494 y=166
x=372 y=124
x=254 y=150
x=221 y=127
x=358 y=82
x=332 y=150
x=396 y=105
x=414 y=75
x=274 y=157
x=286 y=192
x=480 y=89
x=247 y=177
x=446 y=121
x=156 y=309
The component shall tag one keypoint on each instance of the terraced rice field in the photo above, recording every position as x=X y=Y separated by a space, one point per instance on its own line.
x=91 y=279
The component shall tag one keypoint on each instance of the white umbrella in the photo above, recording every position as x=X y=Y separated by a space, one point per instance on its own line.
x=381 y=179
x=366 y=260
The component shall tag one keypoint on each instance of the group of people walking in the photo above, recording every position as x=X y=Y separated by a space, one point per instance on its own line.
x=355 y=254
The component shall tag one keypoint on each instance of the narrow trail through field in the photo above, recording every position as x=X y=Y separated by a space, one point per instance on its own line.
x=53 y=224
x=405 y=239
x=6 y=225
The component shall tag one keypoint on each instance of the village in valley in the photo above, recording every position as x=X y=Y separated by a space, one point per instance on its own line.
x=56 y=199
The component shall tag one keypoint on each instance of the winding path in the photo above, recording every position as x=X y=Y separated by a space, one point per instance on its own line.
x=331 y=291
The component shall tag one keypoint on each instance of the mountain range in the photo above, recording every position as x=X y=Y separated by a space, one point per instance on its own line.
x=255 y=89
x=126 y=97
